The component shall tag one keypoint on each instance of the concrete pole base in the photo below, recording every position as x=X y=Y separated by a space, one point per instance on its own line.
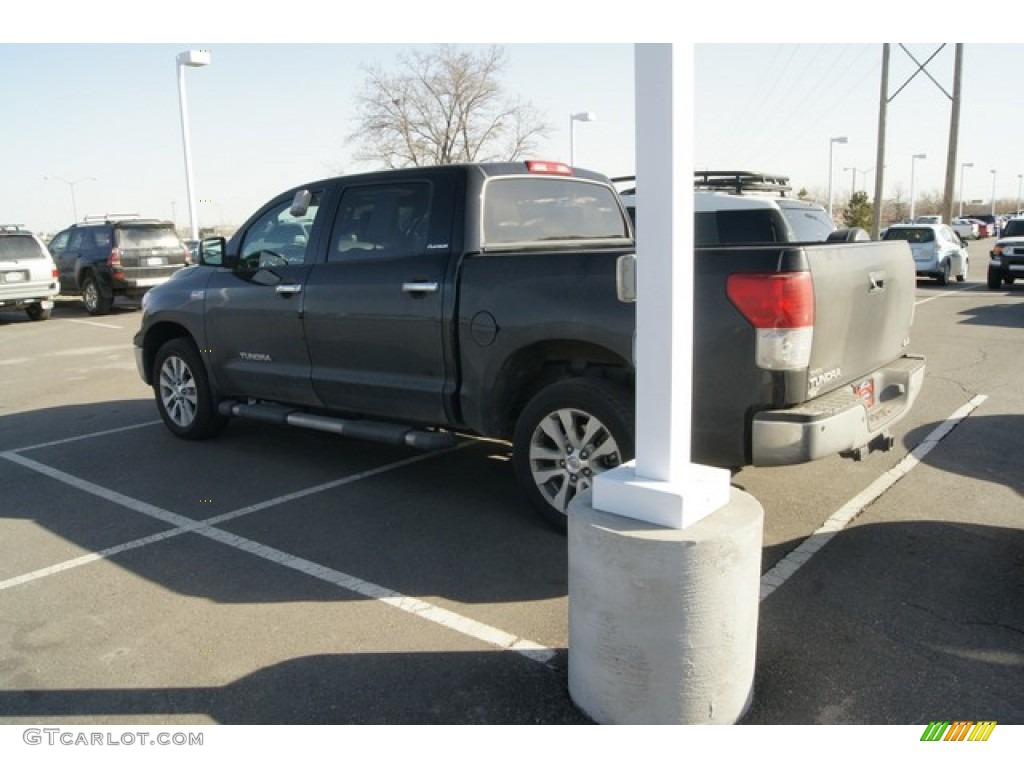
x=663 y=621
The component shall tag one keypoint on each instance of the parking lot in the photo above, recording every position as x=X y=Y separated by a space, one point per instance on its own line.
x=282 y=576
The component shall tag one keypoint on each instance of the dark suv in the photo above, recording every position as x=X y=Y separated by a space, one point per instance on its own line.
x=108 y=256
x=1007 y=255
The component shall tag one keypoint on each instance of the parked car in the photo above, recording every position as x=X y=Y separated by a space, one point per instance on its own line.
x=28 y=276
x=966 y=228
x=937 y=250
x=928 y=219
x=991 y=221
x=1006 y=262
x=116 y=255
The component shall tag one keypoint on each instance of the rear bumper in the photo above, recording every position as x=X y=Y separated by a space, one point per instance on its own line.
x=839 y=421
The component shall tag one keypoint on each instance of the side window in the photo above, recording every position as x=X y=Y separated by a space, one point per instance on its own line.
x=81 y=239
x=381 y=221
x=59 y=242
x=279 y=237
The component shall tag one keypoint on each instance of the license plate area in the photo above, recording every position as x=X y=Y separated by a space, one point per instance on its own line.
x=155 y=261
x=15 y=277
x=865 y=392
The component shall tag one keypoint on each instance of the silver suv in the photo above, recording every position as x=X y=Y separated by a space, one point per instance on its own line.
x=28 y=276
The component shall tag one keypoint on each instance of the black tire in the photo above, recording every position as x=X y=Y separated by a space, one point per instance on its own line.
x=93 y=299
x=962 y=277
x=943 y=276
x=184 y=397
x=993 y=280
x=567 y=433
x=36 y=312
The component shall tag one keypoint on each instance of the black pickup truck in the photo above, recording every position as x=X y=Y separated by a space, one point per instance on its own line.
x=412 y=305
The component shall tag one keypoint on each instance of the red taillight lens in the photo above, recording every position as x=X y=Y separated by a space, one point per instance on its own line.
x=114 y=260
x=188 y=255
x=775 y=300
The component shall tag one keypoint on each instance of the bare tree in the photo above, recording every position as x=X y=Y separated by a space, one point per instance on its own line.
x=442 y=107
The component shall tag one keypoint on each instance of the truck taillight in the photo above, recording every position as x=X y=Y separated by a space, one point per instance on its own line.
x=545 y=166
x=114 y=259
x=780 y=306
x=188 y=254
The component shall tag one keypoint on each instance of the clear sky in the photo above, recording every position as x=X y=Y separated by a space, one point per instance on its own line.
x=276 y=104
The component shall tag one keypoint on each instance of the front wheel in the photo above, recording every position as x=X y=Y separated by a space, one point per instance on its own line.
x=183 y=393
x=994 y=280
x=567 y=434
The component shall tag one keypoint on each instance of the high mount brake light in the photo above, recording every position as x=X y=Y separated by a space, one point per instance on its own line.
x=780 y=306
x=546 y=166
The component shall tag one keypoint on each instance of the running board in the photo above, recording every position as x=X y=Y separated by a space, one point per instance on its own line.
x=360 y=429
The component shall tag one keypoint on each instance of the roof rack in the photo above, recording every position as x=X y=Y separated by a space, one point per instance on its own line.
x=109 y=216
x=738 y=182
x=12 y=228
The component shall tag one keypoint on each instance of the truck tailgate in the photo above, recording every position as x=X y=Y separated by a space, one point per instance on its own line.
x=864 y=306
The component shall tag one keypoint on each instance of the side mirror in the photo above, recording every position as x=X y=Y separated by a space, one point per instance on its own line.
x=213 y=253
x=300 y=203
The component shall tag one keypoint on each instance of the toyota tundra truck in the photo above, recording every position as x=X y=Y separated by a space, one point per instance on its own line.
x=418 y=306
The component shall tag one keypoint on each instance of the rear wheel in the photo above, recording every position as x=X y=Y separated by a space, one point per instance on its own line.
x=183 y=394
x=943 y=277
x=993 y=280
x=36 y=312
x=568 y=433
x=93 y=299
x=962 y=277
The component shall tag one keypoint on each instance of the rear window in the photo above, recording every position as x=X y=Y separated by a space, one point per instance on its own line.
x=147 y=237
x=740 y=227
x=910 y=235
x=525 y=210
x=18 y=248
x=809 y=225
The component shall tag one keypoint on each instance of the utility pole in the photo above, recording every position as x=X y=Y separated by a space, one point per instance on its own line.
x=954 y=136
x=883 y=107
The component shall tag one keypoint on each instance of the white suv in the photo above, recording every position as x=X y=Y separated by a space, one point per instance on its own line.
x=736 y=208
x=28 y=276
x=938 y=251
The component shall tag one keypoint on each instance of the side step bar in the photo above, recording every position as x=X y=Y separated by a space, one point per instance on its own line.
x=360 y=429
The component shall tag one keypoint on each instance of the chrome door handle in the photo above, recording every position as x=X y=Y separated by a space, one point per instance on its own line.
x=288 y=289
x=420 y=287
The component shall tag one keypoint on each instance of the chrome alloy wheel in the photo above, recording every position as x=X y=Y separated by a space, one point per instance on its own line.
x=178 y=391
x=568 y=448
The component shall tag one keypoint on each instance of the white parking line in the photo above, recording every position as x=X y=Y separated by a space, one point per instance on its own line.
x=180 y=524
x=98 y=325
x=944 y=294
x=842 y=517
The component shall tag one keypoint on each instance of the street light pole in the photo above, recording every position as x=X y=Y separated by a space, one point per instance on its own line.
x=1020 y=176
x=913 y=160
x=71 y=186
x=993 y=172
x=962 y=167
x=832 y=142
x=583 y=117
x=189 y=59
